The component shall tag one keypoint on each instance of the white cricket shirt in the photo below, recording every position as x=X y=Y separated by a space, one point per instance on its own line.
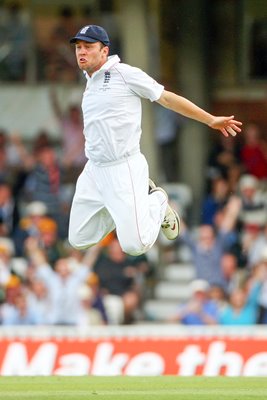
x=112 y=110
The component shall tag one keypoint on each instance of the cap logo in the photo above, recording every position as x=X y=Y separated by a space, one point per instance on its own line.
x=84 y=29
x=91 y=34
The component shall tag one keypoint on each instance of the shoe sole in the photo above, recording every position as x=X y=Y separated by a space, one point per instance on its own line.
x=171 y=210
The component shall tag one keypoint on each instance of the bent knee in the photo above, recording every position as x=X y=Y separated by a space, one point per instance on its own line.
x=78 y=245
x=134 y=249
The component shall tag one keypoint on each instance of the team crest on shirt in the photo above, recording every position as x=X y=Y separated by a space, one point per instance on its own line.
x=106 y=85
x=107 y=77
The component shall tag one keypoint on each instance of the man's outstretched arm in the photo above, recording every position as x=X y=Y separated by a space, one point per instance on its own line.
x=227 y=125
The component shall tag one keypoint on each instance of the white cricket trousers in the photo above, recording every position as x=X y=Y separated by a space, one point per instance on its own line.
x=115 y=196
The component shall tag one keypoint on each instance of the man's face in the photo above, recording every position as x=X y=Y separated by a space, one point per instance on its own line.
x=90 y=56
x=206 y=237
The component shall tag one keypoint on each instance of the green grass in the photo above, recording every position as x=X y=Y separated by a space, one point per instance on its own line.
x=132 y=388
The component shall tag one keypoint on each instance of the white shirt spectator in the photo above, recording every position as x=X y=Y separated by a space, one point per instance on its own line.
x=63 y=290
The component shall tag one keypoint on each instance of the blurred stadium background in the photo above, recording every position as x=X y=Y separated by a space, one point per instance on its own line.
x=213 y=52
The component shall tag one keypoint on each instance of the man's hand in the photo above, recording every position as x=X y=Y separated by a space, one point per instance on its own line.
x=227 y=125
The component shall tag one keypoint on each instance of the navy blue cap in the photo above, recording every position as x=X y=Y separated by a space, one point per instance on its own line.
x=92 y=34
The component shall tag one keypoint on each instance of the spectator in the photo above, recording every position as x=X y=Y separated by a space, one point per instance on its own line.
x=49 y=240
x=211 y=243
x=5 y=173
x=44 y=181
x=257 y=248
x=242 y=310
x=243 y=307
x=233 y=276
x=117 y=275
x=15 y=42
x=43 y=229
x=207 y=253
x=253 y=205
x=224 y=155
x=90 y=291
x=21 y=313
x=215 y=200
x=9 y=214
x=199 y=310
x=15 y=162
x=62 y=283
x=42 y=139
x=40 y=301
x=29 y=225
x=219 y=297
x=250 y=237
x=16 y=154
x=11 y=290
x=58 y=63
x=254 y=151
x=73 y=155
x=93 y=310
x=6 y=253
x=252 y=214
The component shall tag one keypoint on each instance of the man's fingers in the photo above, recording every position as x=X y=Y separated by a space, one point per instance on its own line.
x=233 y=121
x=224 y=132
x=236 y=128
x=230 y=130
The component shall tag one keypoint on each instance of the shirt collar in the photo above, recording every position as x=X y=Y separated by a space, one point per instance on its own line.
x=111 y=61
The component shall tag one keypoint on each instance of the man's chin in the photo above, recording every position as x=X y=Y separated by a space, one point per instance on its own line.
x=82 y=67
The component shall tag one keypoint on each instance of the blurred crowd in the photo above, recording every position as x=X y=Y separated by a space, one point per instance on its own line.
x=35 y=45
x=229 y=247
x=42 y=279
x=46 y=282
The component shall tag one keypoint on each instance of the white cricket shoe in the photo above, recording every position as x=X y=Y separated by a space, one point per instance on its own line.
x=171 y=224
